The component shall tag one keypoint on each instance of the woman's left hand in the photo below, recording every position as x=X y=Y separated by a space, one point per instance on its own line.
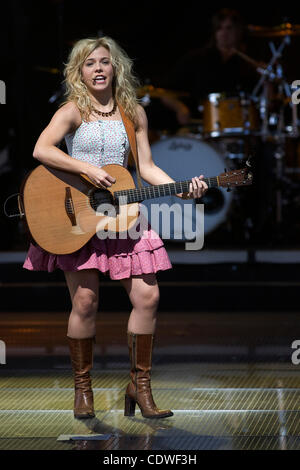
x=197 y=188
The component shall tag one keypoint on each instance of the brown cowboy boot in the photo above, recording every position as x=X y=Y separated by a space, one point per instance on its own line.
x=81 y=351
x=139 y=389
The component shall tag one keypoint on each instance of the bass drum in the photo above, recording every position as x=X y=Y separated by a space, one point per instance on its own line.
x=183 y=158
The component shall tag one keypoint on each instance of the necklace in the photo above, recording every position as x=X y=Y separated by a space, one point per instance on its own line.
x=110 y=113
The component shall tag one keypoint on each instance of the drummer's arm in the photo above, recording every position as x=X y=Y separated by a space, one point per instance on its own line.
x=150 y=172
x=182 y=111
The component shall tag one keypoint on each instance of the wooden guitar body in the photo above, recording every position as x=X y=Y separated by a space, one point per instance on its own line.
x=61 y=207
x=64 y=210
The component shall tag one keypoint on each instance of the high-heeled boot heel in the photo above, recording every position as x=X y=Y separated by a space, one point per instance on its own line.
x=129 y=406
x=139 y=389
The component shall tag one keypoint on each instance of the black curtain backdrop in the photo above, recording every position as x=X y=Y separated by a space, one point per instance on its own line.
x=36 y=37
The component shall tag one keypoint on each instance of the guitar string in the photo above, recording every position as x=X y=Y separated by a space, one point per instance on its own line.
x=135 y=195
x=138 y=194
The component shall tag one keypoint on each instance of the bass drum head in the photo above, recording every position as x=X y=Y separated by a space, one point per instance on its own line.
x=182 y=158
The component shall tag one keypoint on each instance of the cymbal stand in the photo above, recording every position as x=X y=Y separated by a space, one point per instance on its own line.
x=267 y=73
x=279 y=158
x=263 y=108
x=279 y=138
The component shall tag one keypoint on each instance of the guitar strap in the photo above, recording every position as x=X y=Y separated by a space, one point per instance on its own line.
x=130 y=130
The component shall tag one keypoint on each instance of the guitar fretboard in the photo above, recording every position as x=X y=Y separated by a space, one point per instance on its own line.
x=128 y=196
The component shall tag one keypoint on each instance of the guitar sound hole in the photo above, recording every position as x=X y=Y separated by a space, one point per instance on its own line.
x=103 y=202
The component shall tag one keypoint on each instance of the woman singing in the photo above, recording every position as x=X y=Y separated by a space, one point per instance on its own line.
x=100 y=91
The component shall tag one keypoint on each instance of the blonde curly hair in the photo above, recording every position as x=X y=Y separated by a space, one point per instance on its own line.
x=125 y=82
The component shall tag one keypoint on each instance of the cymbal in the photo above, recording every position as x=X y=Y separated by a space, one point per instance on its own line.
x=285 y=29
x=51 y=70
x=155 y=92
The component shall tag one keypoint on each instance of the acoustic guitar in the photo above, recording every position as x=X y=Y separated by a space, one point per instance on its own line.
x=64 y=210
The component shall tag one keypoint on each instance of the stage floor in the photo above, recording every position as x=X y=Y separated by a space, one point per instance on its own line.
x=228 y=378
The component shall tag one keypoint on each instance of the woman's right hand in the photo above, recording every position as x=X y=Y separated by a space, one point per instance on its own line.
x=99 y=177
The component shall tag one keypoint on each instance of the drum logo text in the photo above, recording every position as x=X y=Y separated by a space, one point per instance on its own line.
x=180 y=145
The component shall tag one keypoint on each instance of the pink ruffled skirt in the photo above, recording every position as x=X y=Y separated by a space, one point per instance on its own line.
x=120 y=258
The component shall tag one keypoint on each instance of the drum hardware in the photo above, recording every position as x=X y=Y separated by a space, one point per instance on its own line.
x=279 y=156
x=276 y=76
x=273 y=126
x=268 y=73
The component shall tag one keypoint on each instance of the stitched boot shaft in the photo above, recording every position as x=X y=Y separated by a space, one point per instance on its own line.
x=81 y=351
x=139 y=389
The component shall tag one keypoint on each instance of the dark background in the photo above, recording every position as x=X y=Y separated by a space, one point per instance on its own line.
x=38 y=36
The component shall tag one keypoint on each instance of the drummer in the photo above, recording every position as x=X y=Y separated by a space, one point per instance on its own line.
x=216 y=67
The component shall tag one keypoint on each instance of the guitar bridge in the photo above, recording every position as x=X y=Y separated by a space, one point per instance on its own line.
x=70 y=206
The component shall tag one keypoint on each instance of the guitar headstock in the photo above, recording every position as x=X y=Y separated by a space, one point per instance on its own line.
x=234 y=178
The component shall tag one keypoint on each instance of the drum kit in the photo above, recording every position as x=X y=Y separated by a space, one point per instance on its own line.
x=228 y=133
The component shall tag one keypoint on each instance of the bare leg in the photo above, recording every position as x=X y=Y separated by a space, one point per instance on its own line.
x=83 y=287
x=143 y=293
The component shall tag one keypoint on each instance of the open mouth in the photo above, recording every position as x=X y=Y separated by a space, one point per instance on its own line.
x=99 y=79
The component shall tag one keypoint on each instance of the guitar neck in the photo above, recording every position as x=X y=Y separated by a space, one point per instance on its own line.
x=128 y=196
